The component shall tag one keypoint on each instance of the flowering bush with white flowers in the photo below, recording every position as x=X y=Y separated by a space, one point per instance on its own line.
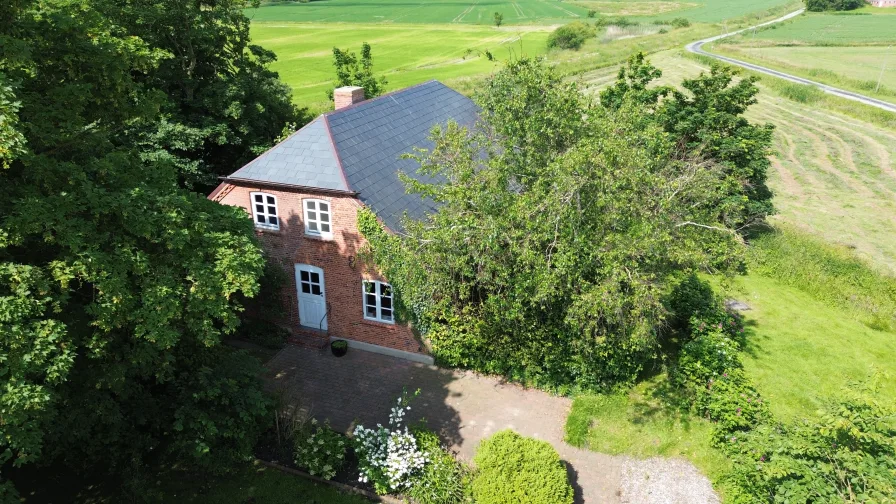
x=388 y=457
x=321 y=450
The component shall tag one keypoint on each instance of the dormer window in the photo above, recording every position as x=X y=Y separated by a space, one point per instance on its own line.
x=264 y=208
x=317 y=218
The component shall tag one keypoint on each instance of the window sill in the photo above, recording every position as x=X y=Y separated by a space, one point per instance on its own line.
x=377 y=323
x=275 y=232
x=318 y=237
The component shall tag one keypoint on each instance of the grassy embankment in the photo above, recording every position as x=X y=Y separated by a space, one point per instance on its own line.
x=854 y=50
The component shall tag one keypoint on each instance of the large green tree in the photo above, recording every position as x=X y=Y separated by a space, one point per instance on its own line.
x=224 y=105
x=116 y=285
x=707 y=120
x=562 y=228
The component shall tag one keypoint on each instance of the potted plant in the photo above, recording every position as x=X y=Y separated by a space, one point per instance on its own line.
x=339 y=347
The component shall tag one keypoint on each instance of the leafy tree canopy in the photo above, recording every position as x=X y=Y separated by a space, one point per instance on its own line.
x=352 y=70
x=116 y=286
x=561 y=229
x=224 y=105
x=708 y=121
x=833 y=5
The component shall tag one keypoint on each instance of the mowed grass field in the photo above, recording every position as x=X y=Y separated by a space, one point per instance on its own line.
x=544 y=12
x=869 y=25
x=404 y=54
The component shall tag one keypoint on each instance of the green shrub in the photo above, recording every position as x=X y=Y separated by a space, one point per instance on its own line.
x=513 y=469
x=592 y=13
x=680 y=22
x=733 y=405
x=623 y=22
x=571 y=36
x=443 y=479
x=263 y=333
x=833 y=5
x=704 y=358
x=498 y=18
x=320 y=450
x=846 y=454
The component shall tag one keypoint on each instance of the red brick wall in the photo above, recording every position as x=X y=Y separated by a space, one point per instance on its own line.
x=342 y=282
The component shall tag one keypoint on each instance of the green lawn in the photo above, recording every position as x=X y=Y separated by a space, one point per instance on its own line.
x=802 y=351
x=404 y=54
x=869 y=25
x=255 y=484
x=547 y=12
x=419 y=11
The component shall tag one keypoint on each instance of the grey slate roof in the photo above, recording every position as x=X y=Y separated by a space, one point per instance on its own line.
x=306 y=158
x=368 y=139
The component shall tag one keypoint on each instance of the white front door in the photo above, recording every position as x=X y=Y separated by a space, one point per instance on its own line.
x=312 y=296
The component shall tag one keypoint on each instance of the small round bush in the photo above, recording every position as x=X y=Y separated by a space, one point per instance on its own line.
x=320 y=450
x=518 y=470
x=571 y=36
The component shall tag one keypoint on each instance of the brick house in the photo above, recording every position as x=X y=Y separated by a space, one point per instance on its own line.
x=304 y=195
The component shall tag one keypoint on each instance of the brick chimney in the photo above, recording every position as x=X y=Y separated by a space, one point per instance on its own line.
x=348 y=95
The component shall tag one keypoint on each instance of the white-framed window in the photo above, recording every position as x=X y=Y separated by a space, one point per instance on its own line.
x=264 y=209
x=378 y=301
x=317 y=218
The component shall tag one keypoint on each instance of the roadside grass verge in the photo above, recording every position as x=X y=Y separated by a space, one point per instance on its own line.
x=852 y=68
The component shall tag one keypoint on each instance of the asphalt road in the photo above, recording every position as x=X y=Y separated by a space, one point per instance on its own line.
x=697 y=47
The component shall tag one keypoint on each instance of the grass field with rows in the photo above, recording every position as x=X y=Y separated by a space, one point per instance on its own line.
x=544 y=12
x=404 y=54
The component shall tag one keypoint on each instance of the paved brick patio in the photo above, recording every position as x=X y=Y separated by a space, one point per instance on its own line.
x=463 y=407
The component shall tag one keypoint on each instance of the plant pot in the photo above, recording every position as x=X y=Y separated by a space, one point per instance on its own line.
x=339 y=347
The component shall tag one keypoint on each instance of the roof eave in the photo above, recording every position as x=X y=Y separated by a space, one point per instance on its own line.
x=240 y=181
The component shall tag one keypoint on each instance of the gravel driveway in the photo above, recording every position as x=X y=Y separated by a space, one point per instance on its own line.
x=464 y=408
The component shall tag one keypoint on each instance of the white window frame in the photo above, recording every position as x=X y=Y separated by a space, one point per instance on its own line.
x=379 y=300
x=319 y=223
x=265 y=211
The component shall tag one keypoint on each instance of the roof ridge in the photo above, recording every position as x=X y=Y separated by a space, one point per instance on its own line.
x=390 y=93
x=335 y=151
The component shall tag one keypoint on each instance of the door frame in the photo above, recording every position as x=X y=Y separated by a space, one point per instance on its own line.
x=310 y=268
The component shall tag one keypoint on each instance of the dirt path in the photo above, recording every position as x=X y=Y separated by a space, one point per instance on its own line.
x=464 y=408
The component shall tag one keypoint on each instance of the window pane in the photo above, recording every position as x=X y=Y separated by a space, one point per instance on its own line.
x=259 y=208
x=306 y=288
x=309 y=205
x=312 y=226
x=368 y=287
x=272 y=210
x=323 y=207
x=387 y=314
x=258 y=198
x=272 y=220
x=324 y=217
x=315 y=289
x=386 y=302
x=312 y=216
x=325 y=228
x=370 y=300
x=303 y=275
x=315 y=277
x=385 y=289
x=260 y=218
x=270 y=200
x=370 y=311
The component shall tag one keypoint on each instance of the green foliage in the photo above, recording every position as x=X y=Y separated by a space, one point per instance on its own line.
x=443 y=480
x=339 y=344
x=263 y=333
x=513 y=469
x=830 y=274
x=116 y=286
x=571 y=36
x=709 y=122
x=320 y=450
x=12 y=143
x=680 y=22
x=730 y=401
x=498 y=18
x=220 y=410
x=845 y=454
x=562 y=228
x=592 y=13
x=354 y=71
x=223 y=105
x=833 y=5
